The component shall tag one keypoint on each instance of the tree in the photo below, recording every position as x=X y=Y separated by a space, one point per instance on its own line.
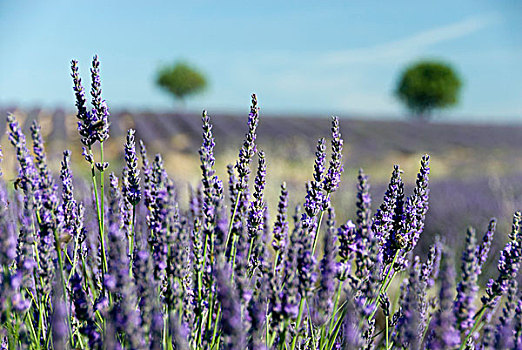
x=428 y=85
x=181 y=80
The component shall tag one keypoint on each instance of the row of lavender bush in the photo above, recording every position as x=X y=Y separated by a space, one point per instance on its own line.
x=127 y=268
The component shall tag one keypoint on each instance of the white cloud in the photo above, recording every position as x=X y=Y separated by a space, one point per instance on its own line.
x=403 y=48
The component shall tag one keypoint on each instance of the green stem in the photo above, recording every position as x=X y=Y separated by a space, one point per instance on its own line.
x=60 y=263
x=102 y=208
x=383 y=284
x=478 y=320
x=276 y=258
x=233 y=253
x=102 y=192
x=282 y=339
x=250 y=249
x=99 y=216
x=165 y=328
x=336 y=330
x=131 y=238
x=337 y=296
x=75 y=258
x=210 y=311
x=41 y=321
x=298 y=323
x=267 y=328
x=387 y=338
x=214 y=332
x=425 y=330
x=36 y=340
x=232 y=218
x=318 y=230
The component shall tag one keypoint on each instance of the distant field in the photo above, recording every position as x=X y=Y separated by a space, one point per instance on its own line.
x=475 y=168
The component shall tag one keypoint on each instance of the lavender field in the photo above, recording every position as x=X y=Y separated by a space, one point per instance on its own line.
x=109 y=245
x=476 y=175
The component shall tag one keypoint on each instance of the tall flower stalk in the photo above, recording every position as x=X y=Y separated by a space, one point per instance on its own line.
x=93 y=126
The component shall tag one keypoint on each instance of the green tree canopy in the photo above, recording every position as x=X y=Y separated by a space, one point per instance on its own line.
x=181 y=80
x=428 y=85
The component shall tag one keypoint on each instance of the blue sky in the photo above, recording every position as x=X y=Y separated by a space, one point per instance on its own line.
x=300 y=57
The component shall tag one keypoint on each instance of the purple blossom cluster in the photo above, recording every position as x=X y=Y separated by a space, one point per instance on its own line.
x=129 y=267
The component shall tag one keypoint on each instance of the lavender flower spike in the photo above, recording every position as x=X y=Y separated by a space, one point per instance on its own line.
x=101 y=121
x=27 y=175
x=79 y=93
x=417 y=206
x=508 y=264
x=328 y=269
x=315 y=198
x=249 y=147
x=280 y=232
x=255 y=216
x=384 y=217
x=7 y=231
x=333 y=176
x=39 y=155
x=444 y=334
x=467 y=288
x=483 y=249
x=69 y=206
x=132 y=191
x=231 y=323
x=59 y=317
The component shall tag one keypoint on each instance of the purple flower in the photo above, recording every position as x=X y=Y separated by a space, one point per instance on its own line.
x=257 y=206
x=83 y=311
x=59 y=317
x=40 y=158
x=364 y=201
x=353 y=338
x=212 y=186
x=147 y=176
x=71 y=212
x=231 y=323
x=255 y=316
x=249 y=147
x=409 y=324
x=444 y=334
x=332 y=178
x=384 y=219
x=483 y=249
x=124 y=316
x=280 y=231
x=289 y=295
x=508 y=311
x=146 y=286
x=417 y=207
x=508 y=264
x=132 y=189
x=11 y=296
x=7 y=231
x=430 y=269
x=348 y=245
x=467 y=288
x=93 y=124
x=206 y=153
x=100 y=111
x=328 y=269
x=306 y=266
x=315 y=199
x=25 y=255
x=27 y=176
